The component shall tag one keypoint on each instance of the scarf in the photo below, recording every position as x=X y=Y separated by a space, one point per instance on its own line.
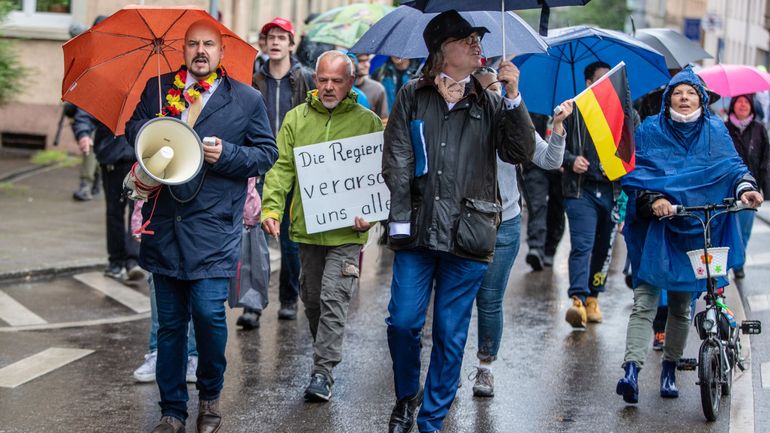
x=685 y=118
x=741 y=124
x=452 y=91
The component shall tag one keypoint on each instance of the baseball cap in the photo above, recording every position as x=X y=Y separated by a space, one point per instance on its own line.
x=281 y=23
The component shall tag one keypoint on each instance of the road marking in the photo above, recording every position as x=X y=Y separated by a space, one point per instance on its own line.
x=117 y=291
x=758 y=302
x=16 y=314
x=765 y=373
x=39 y=364
x=742 y=397
x=62 y=325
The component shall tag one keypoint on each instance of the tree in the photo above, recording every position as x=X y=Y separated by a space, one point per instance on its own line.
x=11 y=71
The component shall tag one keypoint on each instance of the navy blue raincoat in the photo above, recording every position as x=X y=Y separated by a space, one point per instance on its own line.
x=692 y=164
x=202 y=238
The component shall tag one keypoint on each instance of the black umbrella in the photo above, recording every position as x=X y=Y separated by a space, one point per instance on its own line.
x=675 y=47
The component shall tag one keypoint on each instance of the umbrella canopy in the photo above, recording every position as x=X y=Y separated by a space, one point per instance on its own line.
x=344 y=26
x=487 y=5
x=675 y=47
x=734 y=80
x=549 y=79
x=399 y=34
x=106 y=68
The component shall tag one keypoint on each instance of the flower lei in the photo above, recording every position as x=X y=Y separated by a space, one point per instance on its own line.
x=178 y=99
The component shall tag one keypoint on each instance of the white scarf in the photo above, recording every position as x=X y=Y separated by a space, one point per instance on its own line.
x=684 y=118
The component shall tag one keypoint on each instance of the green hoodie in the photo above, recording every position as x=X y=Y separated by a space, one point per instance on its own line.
x=306 y=124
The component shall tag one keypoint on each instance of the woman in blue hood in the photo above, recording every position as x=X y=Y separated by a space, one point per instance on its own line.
x=684 y=156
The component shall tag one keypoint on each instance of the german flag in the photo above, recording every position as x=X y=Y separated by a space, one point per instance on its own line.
x=604 y=109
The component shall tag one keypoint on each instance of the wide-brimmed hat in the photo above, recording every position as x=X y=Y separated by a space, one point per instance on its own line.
x=449 y=24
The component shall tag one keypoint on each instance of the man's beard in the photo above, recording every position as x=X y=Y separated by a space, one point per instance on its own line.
x=330 y=105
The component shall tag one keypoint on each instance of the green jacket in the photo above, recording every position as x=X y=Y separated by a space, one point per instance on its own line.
x=306 y=124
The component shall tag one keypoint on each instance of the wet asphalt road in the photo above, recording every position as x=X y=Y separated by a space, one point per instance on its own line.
x=549 y=378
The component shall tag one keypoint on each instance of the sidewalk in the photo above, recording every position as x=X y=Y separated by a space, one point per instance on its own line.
x=43 y=231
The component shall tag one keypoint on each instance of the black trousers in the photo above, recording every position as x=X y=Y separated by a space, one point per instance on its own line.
x=545 y=208
x=121 y=246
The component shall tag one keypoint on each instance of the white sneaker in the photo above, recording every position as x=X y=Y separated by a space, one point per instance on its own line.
x=146 y=372
x=192 y=368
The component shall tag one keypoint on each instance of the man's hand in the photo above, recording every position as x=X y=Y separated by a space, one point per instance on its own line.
x=752 y=199
x=360 y=225
x=581 y=165
x=85 y=143
x=662 y=208
x=211 y=154
x=509 y=75
x=558 y=120
x=272 y=227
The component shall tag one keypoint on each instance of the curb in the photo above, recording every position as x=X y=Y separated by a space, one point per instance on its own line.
x=52 y=271
x=28 y=170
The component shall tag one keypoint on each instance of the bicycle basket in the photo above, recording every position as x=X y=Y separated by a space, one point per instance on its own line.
x=717 y=262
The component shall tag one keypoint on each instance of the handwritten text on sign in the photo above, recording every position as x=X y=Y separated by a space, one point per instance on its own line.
x=340 y=180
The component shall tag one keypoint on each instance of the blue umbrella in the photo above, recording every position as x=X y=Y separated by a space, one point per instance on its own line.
x=549 y=79
x=488 y=5
x=399 y=34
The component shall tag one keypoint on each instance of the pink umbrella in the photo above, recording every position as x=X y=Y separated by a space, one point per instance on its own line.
x=734 y=80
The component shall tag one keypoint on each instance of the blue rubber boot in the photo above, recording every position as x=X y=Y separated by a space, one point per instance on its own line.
x=668 y=387
x=628 y=385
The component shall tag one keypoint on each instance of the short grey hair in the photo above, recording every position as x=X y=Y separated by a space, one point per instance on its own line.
x=335 y=54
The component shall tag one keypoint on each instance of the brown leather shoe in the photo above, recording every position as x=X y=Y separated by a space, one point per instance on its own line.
x=593 y=313
x=209 y=418
x=576 y=314
x=169 y=424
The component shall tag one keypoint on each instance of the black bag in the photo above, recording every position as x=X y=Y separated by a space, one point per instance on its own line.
x=477 y=227
x=249 y=286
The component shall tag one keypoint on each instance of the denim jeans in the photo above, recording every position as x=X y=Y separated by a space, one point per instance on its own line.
x=192 y=349
x=746 y=221
x=489 y=300
x=457 y=281
x=590 y=230
x=177 y=301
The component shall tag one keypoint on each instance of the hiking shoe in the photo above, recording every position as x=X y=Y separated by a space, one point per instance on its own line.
x=248 y=320
x=288 y=311
x=192 y=369
x=484 y=385
x=535 y=259
x=83 y=193
x=658 y=341
x=115 y=271
x=146 y=371
x=169 y=424
x=593 y=313
x=319 y=389
x=133 y=271
x=576 y=314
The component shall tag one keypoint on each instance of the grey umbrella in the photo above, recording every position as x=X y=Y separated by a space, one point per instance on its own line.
x=675 y=47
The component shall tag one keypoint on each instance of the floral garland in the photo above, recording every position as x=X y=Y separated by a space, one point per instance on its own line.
x=178 y=99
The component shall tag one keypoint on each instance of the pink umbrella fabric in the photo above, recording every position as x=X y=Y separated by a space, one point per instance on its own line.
x=734 y=80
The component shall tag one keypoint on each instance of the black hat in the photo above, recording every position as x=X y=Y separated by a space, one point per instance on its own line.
x=447 y=25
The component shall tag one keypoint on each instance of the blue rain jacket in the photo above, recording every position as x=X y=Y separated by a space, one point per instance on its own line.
x=692 y=164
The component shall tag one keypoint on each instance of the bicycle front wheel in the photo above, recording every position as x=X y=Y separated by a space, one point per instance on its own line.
x=710 y=387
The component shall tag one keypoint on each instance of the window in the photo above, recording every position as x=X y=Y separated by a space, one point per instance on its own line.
x=40 y=13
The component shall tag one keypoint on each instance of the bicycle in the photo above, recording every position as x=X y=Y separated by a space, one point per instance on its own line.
x=720 y=351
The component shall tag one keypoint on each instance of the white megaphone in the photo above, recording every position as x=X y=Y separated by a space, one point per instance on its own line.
x=168 y=152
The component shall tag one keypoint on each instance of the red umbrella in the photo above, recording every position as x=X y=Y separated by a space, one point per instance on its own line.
x=106 y=68
x=734 y=80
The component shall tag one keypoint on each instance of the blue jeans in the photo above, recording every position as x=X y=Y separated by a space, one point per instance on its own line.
x=288 y=279
x=590 y=231
x=456 y=282
x=192 y=349
x=489 y=300
x=746 y=221
x=178 y=300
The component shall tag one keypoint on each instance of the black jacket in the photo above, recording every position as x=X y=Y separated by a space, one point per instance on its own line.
x=753 y=147
x=455 y=206
x=108 y=148
x=282 y=95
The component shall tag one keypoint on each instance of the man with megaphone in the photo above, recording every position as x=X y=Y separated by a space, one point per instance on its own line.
x=192 y=230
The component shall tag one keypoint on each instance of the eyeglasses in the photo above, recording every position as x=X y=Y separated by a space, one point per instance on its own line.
x=470 y=40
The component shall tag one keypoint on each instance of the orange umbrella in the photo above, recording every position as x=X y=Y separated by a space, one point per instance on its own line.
x=106 y=68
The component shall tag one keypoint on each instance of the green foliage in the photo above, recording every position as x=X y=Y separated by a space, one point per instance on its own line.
x=607 y=14
x=11 y=71
x=49 y=157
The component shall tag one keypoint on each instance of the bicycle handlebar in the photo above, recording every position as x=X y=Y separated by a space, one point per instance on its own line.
x=733 y=206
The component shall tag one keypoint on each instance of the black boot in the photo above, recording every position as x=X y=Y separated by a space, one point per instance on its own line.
x=668 y=387
x=628 y=385
x=403 y=415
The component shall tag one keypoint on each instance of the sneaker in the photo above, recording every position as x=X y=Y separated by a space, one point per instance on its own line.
x=593 y=313
x=548 y=261
x=319 y=389
x=115 y=271
x=192 y=369
x=146 y=371
x=576 y=314
x=249 y=319
x=83 y=193
x=484 y=385
x=658 y=341
x=288 y=311
x=535 y=259
x=133 y=271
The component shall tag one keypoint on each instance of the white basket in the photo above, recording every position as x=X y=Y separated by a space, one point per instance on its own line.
x=717 y=265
